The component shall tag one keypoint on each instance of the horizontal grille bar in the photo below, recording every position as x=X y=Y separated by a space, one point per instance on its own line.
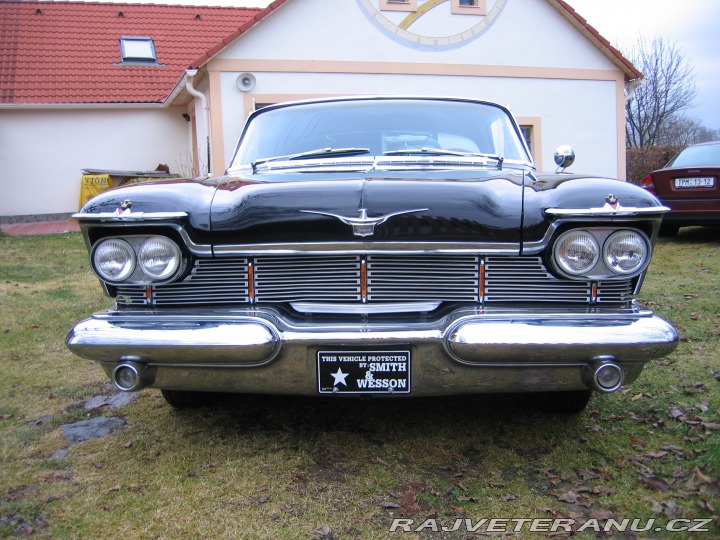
x=339 y=279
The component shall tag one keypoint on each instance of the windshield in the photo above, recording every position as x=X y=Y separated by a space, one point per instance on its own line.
x=696 y=156
x=380 y=127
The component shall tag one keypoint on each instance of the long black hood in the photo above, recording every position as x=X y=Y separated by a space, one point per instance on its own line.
x=486 y=208
x=341 y=207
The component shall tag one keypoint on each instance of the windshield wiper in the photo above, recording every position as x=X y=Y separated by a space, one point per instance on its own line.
x=440 y=152
x=310 y=154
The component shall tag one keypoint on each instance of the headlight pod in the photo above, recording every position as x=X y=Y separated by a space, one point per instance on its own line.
x=577 y=252
x=625 y=252
x=159 y=257
x=136 y=259
x=114 y=259
x=601 y=253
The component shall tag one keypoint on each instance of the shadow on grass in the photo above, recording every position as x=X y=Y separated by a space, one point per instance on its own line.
x=383 y=420
x=687 y=235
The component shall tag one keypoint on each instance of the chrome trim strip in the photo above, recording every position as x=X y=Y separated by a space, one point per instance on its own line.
x=534 y=248
x=200 y=250
x=365 y=309
x=128 y=215
x=607 y=211
x=370 y=248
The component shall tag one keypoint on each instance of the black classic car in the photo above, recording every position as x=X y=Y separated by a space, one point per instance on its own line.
x=375 y=246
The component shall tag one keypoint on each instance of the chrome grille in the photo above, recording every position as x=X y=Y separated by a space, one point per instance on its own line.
x=307 y=278
x=525 y=279
x=422 y=277
x=222 y=281
x=390 y=278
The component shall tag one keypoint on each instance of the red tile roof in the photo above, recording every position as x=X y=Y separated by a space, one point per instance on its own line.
x=69 y=52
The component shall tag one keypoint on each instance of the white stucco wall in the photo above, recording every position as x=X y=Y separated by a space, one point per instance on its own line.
x=525 y=33
x=43 y=151
x=574 y=92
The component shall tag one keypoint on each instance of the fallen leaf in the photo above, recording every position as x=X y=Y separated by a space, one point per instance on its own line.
x=698 y=479
x=568 y=497
x=323 y=531
x=655 y=483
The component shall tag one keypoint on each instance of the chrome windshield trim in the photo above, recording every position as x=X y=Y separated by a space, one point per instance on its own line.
x=128 y=215
x=365 y=309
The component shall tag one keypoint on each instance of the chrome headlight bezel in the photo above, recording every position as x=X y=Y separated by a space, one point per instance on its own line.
x=611 y=260
x=576 y=240
x=604 y=267
x=139 y=272
x=169 y=268
x=124 y=255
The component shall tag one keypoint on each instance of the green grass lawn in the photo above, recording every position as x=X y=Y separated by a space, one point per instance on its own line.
x=267 y=467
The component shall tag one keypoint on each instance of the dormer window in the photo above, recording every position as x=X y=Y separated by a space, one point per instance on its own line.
x=137 y=50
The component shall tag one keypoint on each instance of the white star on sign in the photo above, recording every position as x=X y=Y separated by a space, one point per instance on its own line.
x=339 y=377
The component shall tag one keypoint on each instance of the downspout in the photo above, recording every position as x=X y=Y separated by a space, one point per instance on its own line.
x=189 y=74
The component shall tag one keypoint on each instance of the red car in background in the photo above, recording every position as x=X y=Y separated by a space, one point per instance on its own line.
x=688 y=185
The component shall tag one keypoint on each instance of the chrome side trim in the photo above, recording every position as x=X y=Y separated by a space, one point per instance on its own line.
x=128 y=215
x=608 y=210
x=365 y=309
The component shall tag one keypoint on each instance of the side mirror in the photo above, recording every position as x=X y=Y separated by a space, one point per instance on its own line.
x=564 y=157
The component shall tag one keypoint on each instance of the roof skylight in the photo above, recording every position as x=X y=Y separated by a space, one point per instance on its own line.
x=138 y=50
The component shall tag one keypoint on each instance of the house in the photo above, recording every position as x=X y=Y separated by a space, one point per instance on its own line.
x=130 y=86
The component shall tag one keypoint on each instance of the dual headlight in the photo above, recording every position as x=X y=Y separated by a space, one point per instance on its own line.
x=137 y=259
x=598 y=253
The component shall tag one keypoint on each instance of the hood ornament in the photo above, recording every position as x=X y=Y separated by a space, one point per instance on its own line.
x=364 y=225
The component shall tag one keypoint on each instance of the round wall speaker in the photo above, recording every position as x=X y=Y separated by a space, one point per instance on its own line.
x=246 y=82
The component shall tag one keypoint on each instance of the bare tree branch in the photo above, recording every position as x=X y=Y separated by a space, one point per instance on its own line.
x=667 y=92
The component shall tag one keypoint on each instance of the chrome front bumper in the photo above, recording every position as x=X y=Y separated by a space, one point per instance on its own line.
x=465 y=351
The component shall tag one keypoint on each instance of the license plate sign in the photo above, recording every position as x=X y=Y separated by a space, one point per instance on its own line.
x=705 y=182
x=364 y=372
